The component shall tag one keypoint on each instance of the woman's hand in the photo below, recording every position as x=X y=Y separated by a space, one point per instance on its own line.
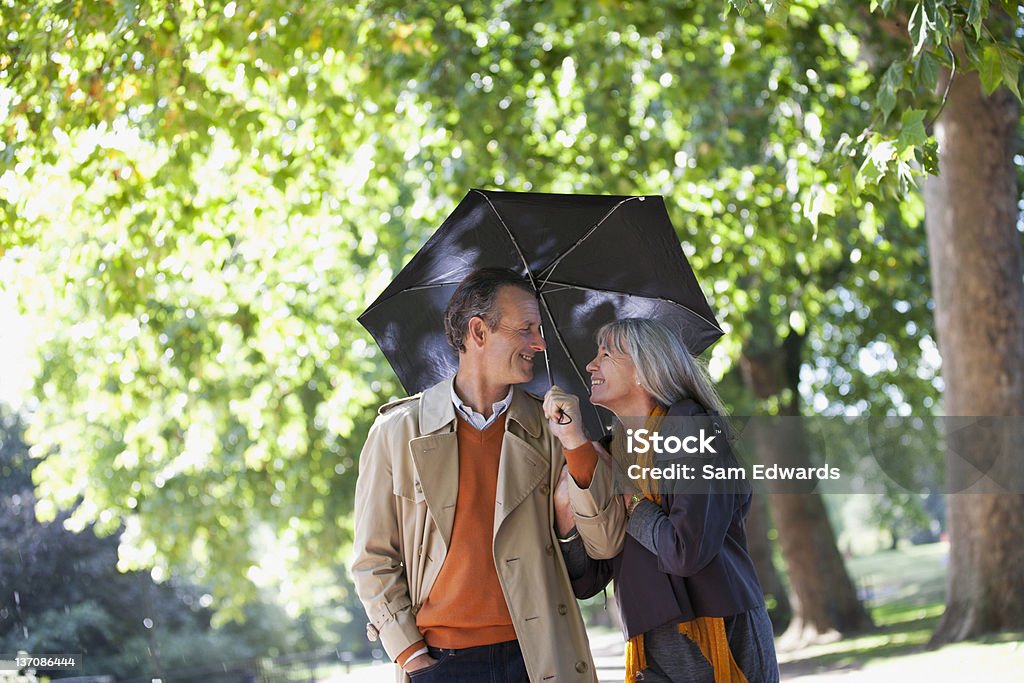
x=631 y=503
x=559 y=404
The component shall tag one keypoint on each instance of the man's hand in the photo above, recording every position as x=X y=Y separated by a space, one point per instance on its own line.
x=564 y=521
x=417 y=663
x=558 y=403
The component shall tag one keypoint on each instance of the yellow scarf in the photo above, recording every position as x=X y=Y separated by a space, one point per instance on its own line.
x=707 y=632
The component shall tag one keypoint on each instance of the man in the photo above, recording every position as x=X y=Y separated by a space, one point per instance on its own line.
x=457 y=559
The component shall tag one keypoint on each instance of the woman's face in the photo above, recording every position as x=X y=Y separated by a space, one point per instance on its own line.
x=613 y=382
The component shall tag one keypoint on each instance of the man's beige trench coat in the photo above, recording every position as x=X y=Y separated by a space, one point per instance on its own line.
x=405 y=509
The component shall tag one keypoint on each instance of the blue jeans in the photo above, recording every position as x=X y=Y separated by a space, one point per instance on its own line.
x=498 y=663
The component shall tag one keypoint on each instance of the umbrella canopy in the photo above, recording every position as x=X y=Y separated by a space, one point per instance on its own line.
x=592 y=259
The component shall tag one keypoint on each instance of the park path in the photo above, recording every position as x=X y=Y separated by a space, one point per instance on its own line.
x=948 y=664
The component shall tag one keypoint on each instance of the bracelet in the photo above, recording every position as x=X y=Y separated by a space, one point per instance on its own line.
x=422 y=651
x=572 y=537
x=633 y=502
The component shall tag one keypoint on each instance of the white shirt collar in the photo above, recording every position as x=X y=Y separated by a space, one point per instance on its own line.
x=476 y=419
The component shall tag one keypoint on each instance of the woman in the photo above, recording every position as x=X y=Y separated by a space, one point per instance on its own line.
x=691 y=605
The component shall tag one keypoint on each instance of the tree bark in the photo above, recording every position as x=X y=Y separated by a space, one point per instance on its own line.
x=823 y=598
x=976 y=263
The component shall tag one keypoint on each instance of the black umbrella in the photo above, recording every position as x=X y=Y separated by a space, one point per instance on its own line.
x=591 y=258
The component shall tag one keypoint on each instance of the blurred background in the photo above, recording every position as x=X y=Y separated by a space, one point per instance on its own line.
x=199 y=197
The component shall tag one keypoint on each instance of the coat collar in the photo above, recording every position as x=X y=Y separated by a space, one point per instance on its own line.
x=685 y=407
x=437 y=410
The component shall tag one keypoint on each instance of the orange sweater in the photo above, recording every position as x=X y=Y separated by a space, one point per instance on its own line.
x=466 y=606
x=582 y=462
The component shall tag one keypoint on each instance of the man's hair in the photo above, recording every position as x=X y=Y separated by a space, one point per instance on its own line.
x=475 y=296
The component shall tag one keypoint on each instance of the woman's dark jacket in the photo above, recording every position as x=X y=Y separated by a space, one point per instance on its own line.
x=702 y=567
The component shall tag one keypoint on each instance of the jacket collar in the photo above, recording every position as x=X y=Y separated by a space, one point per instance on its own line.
x=686 y=407
x=525 y=410
x=437 y=410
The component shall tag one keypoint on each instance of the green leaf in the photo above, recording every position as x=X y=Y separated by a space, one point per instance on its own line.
x=971 y=51
x=977 y=11
x=819 y=201
x=912 y=132
x=926 y=73
x=930 y=157
x=1010 y=71
x=885 y=101
x=943 y=25
x=878 y=154
x=774 y=8
x=892 y=80
x=742 y=7
x=991 y=70
x=905 y=175
x=920 y=27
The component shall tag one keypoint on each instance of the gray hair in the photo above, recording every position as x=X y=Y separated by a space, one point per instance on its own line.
x=664 y=367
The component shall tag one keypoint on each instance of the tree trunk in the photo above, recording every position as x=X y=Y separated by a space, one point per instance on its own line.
x=976 y=262
x=760 y=547
x=823 y=599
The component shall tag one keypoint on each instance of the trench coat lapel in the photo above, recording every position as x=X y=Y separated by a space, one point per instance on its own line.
x=522 y=468
x=436 y=457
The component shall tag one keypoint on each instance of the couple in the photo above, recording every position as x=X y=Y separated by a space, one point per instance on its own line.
x=473 y=540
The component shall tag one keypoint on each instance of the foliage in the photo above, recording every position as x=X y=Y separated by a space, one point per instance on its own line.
x=198 y=198
x=61 y=592
x=915 y=41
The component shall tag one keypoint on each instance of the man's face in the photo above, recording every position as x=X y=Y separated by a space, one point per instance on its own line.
x=509 y=348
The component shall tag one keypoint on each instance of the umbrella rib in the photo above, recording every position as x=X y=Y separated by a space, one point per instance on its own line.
x=561 y=343
x=526 y=264
x=583 y=288
x=430 y=286
x=581 y=240
x=408 y=289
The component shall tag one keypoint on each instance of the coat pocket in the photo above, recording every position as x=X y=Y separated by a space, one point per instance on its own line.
x=409 y=488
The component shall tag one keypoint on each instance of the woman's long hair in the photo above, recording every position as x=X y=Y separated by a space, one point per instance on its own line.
x=664 y=367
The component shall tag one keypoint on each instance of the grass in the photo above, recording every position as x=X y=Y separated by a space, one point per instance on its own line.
x=905 y=591
x=895 y=582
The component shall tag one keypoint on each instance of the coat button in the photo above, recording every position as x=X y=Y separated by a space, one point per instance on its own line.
x=545 y=489
x=581 y=667
x=562 y=610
